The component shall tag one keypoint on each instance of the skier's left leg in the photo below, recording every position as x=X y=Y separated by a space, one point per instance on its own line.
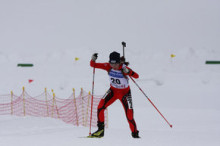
x=128 y=107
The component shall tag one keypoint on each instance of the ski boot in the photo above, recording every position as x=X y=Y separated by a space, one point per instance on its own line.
x=135 y=134
x=100 y=132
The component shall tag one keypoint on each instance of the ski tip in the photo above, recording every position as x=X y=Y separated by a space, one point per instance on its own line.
x=171 y=126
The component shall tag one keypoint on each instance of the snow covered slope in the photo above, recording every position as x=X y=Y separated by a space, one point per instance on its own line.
x=51 y=34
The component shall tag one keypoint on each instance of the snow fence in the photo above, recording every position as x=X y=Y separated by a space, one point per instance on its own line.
x=73 y=110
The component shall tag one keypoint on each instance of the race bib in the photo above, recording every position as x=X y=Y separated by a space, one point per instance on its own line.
x=117 y=79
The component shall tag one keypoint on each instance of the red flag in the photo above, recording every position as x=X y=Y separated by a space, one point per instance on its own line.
x=30 y=80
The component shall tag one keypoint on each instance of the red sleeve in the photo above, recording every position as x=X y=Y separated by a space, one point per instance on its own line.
x=104 y=66
x=132 y=73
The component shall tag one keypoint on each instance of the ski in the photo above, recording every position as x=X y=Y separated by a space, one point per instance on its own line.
x=90 y=137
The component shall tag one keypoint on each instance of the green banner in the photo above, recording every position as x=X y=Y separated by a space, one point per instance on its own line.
x=25 y=65
x=212 y=62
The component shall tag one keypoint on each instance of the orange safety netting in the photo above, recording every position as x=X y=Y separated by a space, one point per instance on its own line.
x=73 y=110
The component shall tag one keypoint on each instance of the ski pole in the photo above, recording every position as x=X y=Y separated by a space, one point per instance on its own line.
x=93 y=84
x=151 y=102
x=124 y=45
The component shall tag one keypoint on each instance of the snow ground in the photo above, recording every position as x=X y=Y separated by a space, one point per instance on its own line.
x=191 y=127
x=51 y=34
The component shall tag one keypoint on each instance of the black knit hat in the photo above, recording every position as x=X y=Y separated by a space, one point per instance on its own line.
x=114 y=57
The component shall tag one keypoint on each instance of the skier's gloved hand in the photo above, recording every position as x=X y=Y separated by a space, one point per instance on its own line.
x=94 y=56
x=122 y=59
x=126 y=70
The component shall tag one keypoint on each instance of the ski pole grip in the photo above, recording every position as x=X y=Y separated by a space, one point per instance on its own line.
x=123 y=44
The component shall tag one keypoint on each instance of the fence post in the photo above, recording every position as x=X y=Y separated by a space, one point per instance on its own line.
x=46 y=102
x=81 y=95
x=56 y=105
x=74 y=101
x=23 y=100
x=12 y=102
x=52 y=104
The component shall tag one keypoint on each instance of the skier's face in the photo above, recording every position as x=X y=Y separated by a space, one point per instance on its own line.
x=115 y=65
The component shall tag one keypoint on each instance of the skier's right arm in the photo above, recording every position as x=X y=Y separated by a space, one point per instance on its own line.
x=104 y=66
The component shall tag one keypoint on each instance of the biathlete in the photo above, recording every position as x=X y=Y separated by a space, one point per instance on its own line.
x=119 y=89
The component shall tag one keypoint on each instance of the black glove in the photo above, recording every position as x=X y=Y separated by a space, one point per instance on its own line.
x=122 y=59
x=94 y=56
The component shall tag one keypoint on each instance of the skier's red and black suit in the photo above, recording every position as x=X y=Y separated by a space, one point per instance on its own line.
x=123 y=94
